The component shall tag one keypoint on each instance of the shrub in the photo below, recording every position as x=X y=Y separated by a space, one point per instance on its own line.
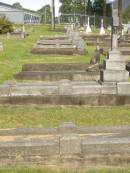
x=5 y=25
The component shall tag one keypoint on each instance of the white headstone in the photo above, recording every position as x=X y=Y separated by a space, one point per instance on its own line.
x=8 y=35
x=1 y=47
x=102 y=30
x=88 y=29
x=23 y=29
x=72 y=26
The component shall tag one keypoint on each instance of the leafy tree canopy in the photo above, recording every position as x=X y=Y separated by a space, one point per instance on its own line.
x=17 y=5
x=45 y=12
x=126 y=14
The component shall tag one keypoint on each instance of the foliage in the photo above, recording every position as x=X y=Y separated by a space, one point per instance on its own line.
x=45 y=12
x=85 y=7
x=126 y=14
x=76 y=6
x=5 y=25
x=52 y=116
x=17 y=5
x=98 y=7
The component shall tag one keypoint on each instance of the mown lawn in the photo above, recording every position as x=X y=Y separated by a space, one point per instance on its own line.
x=50 y=171
x=17 y=52
x=51 y=116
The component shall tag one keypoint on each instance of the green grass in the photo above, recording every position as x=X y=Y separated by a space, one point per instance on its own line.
x=52 y=171
x=51 y=116
x=17 y=52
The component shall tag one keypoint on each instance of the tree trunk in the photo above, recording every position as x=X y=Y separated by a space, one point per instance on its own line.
x=104 y=12
x=89 y=7
x=120 y=12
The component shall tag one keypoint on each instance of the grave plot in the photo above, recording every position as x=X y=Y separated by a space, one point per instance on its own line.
x=66 y=45
x=66 y=146
x=57 y=72
x=91 y=39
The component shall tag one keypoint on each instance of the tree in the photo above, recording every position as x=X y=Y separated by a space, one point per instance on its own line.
x=120 y=11
x=67 y=6
x=101 y=8
x=5 y=25
x=17 y=5
x=89 y=8
x=126 y=14
x=45 y=12
x=104 y=11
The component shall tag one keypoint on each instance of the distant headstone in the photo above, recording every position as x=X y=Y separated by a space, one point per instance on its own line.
x=1 y=47
x=8 y=35
x=88 y=29
x=23 y=29
x=96 y=56
x=102 y=30
x=72 y=26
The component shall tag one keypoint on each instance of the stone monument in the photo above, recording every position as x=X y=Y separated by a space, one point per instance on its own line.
x=102 y=29
x=114 y=66
x=88 y=29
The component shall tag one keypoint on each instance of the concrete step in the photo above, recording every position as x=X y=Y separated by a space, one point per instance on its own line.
x=56 y=67
x=53 y=49
x=125 y=50
x=64 y=93
x=54 y=42
x=57 y=75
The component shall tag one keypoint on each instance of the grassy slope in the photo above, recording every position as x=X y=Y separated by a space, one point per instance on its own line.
x=11 y=117
x=17 y=52
x=50 y=171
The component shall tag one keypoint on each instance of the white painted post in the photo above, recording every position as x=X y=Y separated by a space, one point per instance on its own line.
x=102 y=30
